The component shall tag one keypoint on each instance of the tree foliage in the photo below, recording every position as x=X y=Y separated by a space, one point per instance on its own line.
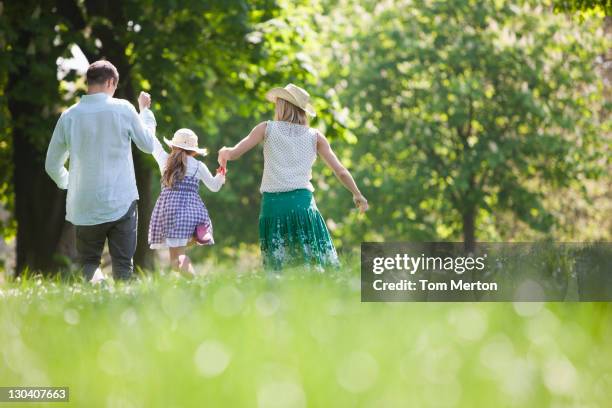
x=467 y=109
x=584 y=5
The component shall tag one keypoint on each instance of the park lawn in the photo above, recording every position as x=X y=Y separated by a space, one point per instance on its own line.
x=241 y=338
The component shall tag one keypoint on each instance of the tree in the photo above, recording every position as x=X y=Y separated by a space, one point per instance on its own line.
x=468 y=108
x=31 y=97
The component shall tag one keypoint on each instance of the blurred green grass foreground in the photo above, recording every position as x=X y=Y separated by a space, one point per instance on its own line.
x=235 y=337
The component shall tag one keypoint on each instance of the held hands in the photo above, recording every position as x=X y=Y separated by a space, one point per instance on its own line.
x=144 y=101
x=224 y=156
x=361 y=202
x=221 y=171
x=222 y=163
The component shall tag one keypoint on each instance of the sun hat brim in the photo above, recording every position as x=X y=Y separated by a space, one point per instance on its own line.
x=282 y=93
x=201 y=152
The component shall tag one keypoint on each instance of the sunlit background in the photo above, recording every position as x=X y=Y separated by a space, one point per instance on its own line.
x=460 y=120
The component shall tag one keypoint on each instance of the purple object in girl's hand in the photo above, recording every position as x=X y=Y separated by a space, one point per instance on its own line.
x=203 y=235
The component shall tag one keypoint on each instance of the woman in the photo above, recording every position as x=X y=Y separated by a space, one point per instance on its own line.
x=291 y=229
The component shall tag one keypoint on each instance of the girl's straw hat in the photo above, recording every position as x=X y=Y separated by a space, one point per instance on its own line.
x=186 y=139
x=294 y=94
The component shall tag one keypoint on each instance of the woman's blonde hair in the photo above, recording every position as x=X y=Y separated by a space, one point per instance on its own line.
x=287 y=112
x=176 y=167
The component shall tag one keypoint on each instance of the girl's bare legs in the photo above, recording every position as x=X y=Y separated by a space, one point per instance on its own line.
x=181 y=262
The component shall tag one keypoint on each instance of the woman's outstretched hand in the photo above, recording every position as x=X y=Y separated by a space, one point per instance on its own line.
x=224 y=155
x=361 y=202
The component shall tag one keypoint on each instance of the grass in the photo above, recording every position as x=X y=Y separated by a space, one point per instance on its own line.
x=240 y=338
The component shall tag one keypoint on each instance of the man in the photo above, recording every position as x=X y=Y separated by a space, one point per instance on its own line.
x=96 y=133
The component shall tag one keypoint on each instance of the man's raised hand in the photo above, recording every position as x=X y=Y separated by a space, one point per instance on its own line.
x=144 y=100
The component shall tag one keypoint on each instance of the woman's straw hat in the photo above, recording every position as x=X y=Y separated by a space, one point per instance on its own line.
x=186 y=139
x=294 y=94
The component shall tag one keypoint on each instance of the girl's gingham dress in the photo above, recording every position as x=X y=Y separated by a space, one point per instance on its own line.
x=177 y=213
x=180 y=210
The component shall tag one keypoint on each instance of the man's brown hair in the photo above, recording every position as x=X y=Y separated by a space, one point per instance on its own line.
x=101 y=71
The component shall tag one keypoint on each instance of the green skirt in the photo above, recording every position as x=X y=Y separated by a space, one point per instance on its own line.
x=293 y=233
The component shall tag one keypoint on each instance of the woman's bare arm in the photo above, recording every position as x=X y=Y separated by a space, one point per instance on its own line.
x=340 y=171
x=246 y=144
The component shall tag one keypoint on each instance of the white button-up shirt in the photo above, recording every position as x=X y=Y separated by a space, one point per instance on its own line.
x=96 y=134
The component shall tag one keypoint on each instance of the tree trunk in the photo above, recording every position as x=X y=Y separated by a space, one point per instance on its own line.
x=39 y=204
x=144 y=256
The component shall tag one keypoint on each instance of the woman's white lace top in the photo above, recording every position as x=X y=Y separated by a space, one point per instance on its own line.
x=289 y=152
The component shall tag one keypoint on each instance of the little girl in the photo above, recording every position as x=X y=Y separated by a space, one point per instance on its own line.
x=179 y=208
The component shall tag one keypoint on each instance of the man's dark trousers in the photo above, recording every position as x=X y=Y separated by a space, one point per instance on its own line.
x=121 y=236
